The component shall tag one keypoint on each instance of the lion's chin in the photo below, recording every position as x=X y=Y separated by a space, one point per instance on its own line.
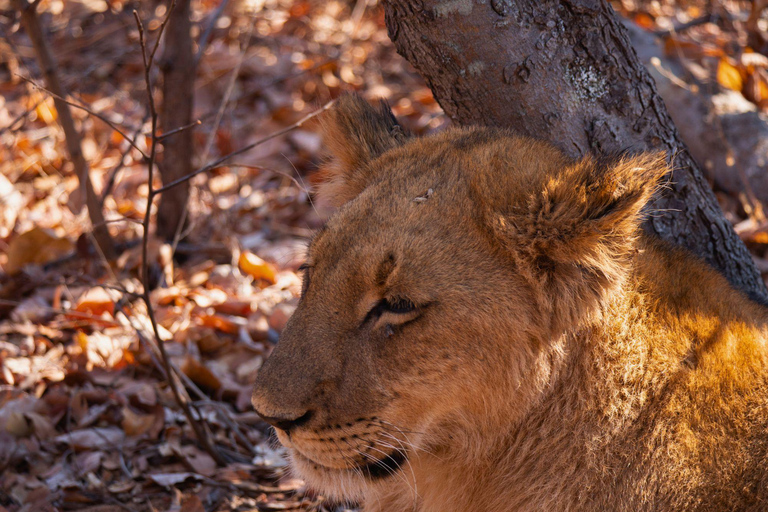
x=345 y=484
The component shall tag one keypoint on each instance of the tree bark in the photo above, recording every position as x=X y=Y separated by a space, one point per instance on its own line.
x=36 y=33
x=564 y=71
x=178 y=67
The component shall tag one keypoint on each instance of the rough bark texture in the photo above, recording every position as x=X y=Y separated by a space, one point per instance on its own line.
x=36 y=33
x=564 y=71
x=178 y=67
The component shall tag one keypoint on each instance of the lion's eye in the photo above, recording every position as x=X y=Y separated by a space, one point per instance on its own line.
x=397 y=305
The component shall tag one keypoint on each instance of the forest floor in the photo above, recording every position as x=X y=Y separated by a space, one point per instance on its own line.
x=87 y=418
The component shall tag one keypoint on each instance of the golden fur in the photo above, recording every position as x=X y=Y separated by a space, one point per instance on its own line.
x=485 y=328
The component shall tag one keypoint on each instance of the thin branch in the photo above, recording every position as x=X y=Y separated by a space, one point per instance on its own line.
x=281 y=173
x=203 y=41
x=701 y=20
x=12 y=126
x=79 y=106
x=165 y=135
x=116 y=169
x=218 y=162
x=160 y=32
x=200 y=432
x=228 y=92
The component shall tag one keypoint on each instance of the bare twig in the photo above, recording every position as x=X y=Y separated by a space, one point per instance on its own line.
x=12 y=126
x=202 y=43
x=120 y=164
x=296 y=182
x=35 y=32
x=701 y=20
x=200 y=431
x=228 y=92
x=165 y=135
x=219 y=161
x=88 y=110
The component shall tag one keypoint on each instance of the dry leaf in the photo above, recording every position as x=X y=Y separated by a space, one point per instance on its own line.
x=219 y=323
x=96 y=302
x=192 y=503
x=171 y=479
x=36 y=246
x=11 y=202
x=136 y=424
x=199 y=374
x=99 y=438
x=256 y=267
x=729 y=75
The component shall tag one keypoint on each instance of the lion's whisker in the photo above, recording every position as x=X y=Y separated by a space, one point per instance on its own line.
x=410 y=467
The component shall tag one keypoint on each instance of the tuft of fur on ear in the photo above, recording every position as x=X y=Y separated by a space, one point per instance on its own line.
x=356 y=133
x=573 y=238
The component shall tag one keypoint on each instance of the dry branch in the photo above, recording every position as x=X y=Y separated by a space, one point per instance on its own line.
x=90 y=111
x=219 y=161
x=36 y=34
x=200 y=431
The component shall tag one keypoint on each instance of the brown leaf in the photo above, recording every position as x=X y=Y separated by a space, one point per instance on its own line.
x=234 y=307
x=36 y=246
x=199 y=374
x=192 y=503
x=220 y=323
x=98 y=438
x=136 y=424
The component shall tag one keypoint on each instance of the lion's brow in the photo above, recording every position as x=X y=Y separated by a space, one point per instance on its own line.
x=385 y=269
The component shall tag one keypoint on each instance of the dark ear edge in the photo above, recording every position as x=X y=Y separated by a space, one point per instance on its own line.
x=588 y=208
x=574 y=238
x=355 y=133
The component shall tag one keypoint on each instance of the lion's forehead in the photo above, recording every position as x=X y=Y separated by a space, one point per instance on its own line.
x=388 y=219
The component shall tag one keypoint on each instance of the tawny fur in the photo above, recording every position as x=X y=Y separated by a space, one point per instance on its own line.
x=557 y=358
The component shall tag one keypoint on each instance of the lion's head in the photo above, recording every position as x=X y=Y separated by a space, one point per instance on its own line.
x=436 y=297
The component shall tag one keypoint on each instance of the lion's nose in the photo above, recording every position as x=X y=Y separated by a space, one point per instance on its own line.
x=286 y=422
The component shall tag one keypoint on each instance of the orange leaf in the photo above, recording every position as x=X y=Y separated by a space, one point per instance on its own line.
x=645 y=21
x=729 y=76
x=219 y=323
x=46 y=112
x=256 y=267
x=96 y=302
x=234 y=307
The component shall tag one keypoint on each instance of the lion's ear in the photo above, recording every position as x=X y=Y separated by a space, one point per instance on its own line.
x=355 y=133
x=573 y=236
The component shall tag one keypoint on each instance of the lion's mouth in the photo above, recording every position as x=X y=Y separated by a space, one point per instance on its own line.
x=385 y=467
x=374 y=470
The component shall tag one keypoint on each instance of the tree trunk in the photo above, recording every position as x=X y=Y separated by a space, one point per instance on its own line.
x=178 y=67
x=564 y=71
x=36 y=33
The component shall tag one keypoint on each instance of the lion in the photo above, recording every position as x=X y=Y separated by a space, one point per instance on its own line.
x=485 y=327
